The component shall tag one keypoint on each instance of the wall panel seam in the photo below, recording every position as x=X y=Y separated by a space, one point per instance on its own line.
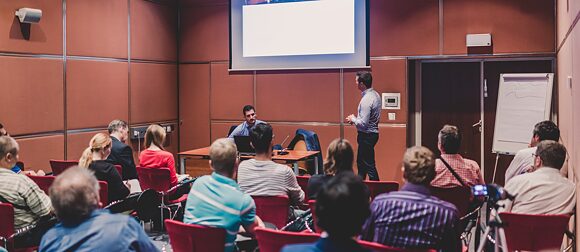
x=570 y=29
x=64 y=82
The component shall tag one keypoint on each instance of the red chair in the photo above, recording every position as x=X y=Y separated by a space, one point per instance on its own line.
x=189 y=237
x=531 y=232
x=273 y=209
x=303 y=183
x=44 y=182
x=377 y=247
x=270 y=240
x=103 y=193
x=312 y=206
x=378 y=187
x=58 y=166
x=458 y=196
x=119 y=169
x=7 y=227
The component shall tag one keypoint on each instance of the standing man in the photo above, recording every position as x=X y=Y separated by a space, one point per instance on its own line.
x=367 y=125
x=121 y=154
x=250 y=120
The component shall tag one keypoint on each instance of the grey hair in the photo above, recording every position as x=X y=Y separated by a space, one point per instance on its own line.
x=116 y=125
x=8 y=145
x=74 y=195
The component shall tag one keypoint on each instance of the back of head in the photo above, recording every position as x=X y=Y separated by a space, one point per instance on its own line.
x=342 y=206
x=552 y=153
x=3 y=131
x=419 y=165
x=99 y=142
x=74 y=195
x=365 y=78
x=116 y=126
x=261 y=137
x=450 y=139
x=547 y=130
x=223 y=154
x=339 y=157
x=155 y=134
x=247 y=108
x=8 y=146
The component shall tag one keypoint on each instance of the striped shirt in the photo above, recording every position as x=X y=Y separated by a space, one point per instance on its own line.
x=217 y=201
x=369 y=112
x=267 y=178
x=412 y=218
x=20 y=190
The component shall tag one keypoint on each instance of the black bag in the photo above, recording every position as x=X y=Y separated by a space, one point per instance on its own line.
x=302 y=221
x=31 y=235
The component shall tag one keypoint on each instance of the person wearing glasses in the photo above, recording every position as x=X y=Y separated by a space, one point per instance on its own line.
x=250 y=121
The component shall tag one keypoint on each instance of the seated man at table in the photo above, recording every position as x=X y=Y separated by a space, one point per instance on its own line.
x=261 y=176
x=216 y=200
x=250 y=121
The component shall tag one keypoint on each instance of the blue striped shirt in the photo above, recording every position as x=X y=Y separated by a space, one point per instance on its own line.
x=412 y=218
x=217 y=201
x=369 y=112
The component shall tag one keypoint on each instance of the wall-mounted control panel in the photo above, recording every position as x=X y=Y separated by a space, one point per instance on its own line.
x=139 y=132
x=391 y=100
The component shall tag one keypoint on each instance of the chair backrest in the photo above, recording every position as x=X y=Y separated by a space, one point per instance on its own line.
x=104 y=193
x=378 y=187
x=273 y=209
x=377 y=247
x=44 y=182
x=270 y=240
x=6 y=222
x=119 y=169
x=58 y=166
x=303 y=183
x=532 y=232
x=458 y=196
x=232 y=128
x=158 y=179
x=312 y=206
x=189 y=237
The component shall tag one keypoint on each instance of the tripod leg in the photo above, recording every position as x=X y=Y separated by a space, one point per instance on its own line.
x=502 y=238
x=484 y=240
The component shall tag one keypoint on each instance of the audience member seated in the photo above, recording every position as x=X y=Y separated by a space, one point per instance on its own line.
x=523 y=162
x=261 y=176
x=339 y=158
x=250 y=120
x=18 y=167
x=544 y=191
x=412 y=218
x=216 y=200
x=155 y=156
x=82 y=227
x=342 y=207
x=449 y=141
x=29 y=201
x=94 y=158
x=121 y=154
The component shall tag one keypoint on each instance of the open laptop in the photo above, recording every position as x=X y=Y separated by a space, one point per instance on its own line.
x=243 y=145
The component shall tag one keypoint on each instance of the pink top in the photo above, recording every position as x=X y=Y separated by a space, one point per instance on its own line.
x=159 y=159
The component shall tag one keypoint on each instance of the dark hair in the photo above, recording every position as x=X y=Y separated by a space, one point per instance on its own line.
x=547 y=130
x=450 y=139
x=261 y=137
x=342 y=205
x=365 y=77
x=247 y=108
x=419 y=165
x=339 y=157
x=552 y=153
x=117 y=125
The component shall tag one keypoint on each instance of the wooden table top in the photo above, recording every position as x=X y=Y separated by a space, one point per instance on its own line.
x=293 y=155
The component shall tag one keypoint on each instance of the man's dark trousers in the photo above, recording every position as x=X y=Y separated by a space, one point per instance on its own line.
x=365 y=158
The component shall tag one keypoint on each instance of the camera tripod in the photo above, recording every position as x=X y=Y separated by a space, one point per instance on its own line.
x=497 y=236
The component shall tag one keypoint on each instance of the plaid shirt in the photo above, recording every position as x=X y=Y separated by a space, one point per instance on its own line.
x=467 y=169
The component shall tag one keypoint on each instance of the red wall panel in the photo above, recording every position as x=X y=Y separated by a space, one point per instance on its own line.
x=153 y=31
x=204 y=33
x=194 y=95
x=35 y=152
x=97 y=28
x=44 y=37
x=97 y=93
x=307 y=96
x=76 y=143
x=153 y=92
x=33 y=100
x=230 y=92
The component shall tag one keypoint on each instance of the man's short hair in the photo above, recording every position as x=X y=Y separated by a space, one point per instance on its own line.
x=116 y=125
x=419 y=165
x=8 y=145
x=450 y=139
x=74 y=195
x=342 y=205
x=552 y=153
x=261 y=137
x=547 y=130
x=223 y=154
x=365 y=77
x=247 y=108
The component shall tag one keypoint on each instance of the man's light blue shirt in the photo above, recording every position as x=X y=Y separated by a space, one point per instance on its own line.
x=369 y=112
x=244 y=129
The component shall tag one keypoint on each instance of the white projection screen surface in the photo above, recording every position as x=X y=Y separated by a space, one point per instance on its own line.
x=298 y=34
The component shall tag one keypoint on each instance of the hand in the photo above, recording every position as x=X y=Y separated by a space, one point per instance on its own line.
x=350 y=119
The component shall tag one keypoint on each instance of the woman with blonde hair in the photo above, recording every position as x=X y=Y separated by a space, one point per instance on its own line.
x=155 y=155
x=339 y=158
x=94 y=158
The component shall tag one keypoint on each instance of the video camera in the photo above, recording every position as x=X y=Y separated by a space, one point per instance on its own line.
x=492 y=191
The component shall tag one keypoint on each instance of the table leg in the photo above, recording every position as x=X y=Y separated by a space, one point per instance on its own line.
x=181 y=165
x=295 y=165
x=315 y=164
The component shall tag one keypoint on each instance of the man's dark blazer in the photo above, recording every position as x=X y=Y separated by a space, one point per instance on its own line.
x=122 y=154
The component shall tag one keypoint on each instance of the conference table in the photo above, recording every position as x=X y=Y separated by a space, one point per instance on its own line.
x=292 y=157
